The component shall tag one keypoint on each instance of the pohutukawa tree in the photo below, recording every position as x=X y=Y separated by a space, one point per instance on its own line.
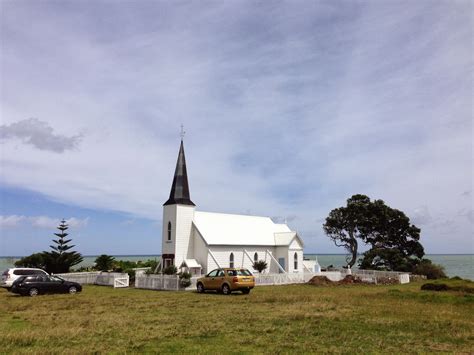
x=393 y=239
x=60 y=259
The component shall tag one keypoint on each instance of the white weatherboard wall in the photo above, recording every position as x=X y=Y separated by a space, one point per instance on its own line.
x=184 y=245
x=181 y=218
x=169 y=215
x=200 y=251
x=222 y=255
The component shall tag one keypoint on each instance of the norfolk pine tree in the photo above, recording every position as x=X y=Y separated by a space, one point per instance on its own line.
x=60 y=260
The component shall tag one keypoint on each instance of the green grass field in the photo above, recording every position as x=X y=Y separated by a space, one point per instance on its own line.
x=278 y=319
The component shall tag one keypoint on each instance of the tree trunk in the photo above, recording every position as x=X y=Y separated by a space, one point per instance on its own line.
x=353 y=251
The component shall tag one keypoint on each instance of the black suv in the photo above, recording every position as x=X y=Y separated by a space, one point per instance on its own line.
x=38 y=284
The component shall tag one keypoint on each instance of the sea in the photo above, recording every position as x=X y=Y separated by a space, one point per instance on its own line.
x=461 y=265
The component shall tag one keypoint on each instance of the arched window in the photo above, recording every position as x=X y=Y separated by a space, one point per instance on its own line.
x=296 y=261
x=255 y=257
x=169 y=230
x=231 y=260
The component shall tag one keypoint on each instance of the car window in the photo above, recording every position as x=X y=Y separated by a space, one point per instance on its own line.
x=55 y=278
x=221 y=273
x=213 y=273
x=28 y=278
x=244 y=272
x=37 y=272
x=232 y=272
x=20 y=279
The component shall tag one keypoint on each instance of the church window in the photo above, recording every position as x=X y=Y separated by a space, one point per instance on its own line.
x=169 y=230
x=231 y=260
x=255 y=257
x=296 y=261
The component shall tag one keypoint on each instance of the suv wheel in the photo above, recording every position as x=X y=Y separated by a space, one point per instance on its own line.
x=33 y=292
x=72 y=290
x=200 y=287
x=226 y=289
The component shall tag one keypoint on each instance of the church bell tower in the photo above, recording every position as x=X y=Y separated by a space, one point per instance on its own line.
x=178 y=215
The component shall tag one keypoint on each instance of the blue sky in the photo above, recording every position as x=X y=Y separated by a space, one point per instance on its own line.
x=289 y=107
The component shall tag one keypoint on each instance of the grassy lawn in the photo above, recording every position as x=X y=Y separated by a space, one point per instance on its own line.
x=293 y=318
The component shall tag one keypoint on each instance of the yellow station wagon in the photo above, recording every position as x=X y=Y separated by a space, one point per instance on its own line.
x=227 y=280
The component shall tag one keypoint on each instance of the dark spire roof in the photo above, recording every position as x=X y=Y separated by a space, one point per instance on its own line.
x=179 y=194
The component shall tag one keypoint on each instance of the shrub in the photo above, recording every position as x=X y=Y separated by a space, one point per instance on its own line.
x=104 y=262
x=260 y=265
x=170 y=270
x=430 y=270
x=36 y=260
x=434 y=287
x=184 y=279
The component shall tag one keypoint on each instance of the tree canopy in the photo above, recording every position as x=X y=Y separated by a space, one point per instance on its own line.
x=345 y=225
x=104 y=262
x=394 y=241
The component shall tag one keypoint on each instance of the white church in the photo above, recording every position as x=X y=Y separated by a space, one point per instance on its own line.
x=202 y=241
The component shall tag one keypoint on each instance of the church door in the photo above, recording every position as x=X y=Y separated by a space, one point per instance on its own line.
x=281 y=261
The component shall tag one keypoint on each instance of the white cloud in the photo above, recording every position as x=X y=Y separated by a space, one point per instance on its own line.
x=11 y=221
x=41 y=221
x=44 y=222
x=77 y=222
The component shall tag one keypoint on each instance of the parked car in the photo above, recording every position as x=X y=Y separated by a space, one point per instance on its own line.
x=41 y=284
x=10 y=275
x=227 y=280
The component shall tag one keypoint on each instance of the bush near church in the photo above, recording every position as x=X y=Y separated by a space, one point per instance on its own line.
x=260 y=265
x=430 y=270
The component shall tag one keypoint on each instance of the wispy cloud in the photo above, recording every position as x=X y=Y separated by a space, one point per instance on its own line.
x=38 y=134
x=41 y=221
x=10 y=221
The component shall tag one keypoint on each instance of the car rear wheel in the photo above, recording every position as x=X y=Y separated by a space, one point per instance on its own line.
x=72 y=290
x=33 y=292
x=200 y=287
x=246 y=291
x=226 y=289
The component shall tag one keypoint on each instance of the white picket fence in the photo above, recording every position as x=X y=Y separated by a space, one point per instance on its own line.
x=157 y=282
x=171 y=282
x=375 y=276
x=280 y=279
x=114 y=279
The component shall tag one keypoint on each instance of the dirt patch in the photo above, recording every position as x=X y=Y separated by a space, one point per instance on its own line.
x=350 y=279
x=320 y=281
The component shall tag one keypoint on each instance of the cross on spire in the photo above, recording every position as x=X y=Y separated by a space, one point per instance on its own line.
x=183 y=132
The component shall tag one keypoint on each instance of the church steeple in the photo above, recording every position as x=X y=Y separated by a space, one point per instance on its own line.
x=179 y=194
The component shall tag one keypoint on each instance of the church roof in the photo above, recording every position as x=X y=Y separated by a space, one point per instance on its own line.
x=231 y=229
x=179 y=194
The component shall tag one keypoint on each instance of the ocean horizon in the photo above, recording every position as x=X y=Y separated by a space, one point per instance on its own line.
x=461 y=265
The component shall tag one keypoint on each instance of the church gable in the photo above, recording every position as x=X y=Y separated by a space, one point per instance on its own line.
x=296 y=244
